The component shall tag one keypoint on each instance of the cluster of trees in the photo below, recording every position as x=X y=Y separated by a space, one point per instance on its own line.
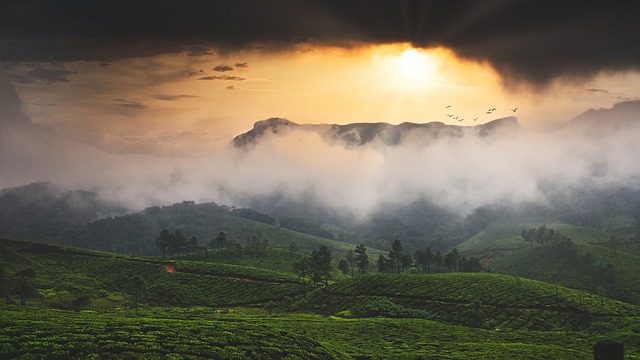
x=399 y=261
x=355 y=260
x=541 y=235
x=316 y=266
x=22 y=284
x=175 y=242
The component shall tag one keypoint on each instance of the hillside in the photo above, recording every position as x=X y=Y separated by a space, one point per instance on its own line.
x=588 y=258
x=205 y=309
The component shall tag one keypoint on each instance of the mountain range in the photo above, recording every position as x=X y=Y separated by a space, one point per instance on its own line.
x=376 y=134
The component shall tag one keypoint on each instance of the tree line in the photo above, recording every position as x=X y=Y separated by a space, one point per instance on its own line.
x=425 y=260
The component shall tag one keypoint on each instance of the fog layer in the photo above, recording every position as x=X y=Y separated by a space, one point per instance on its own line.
x=460 y=172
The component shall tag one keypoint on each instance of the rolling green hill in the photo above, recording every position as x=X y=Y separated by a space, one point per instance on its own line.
x=480 y=300
x=206 y=309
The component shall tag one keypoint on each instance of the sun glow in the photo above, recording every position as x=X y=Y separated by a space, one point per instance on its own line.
x=414 y=69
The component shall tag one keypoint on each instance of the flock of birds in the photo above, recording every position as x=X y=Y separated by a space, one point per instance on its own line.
x=489 y=111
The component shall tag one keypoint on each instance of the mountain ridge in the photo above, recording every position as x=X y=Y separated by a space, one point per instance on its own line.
x=371 y=133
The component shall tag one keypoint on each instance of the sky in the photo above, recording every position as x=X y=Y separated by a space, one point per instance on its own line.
x=179 y=79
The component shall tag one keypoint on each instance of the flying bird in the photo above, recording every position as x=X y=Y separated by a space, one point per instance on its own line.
x=474 y=119
x=514 y=109
x=448 y=106
x=450 y=115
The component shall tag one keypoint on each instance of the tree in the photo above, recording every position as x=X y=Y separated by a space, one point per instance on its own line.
x=383 y=263
x=3 y=283
x=406 y=261
x=321 y=260
x=220 y=240
x=396 y=253
x=302 y=268
x=437 y=259
x=178 y=242
x=424 y=257
x=361 y=258
x=23 y=283
x=192 y=244
x=162 y=242
x=343 y=266
x=350 y=259
x=80 y=302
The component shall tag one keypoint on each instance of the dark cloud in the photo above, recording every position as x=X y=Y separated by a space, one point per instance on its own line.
x=242 y=65
x=531 y=41
x=223 y=68
x=597 y=91
x=41 y=74
x=172 y=97
x=198 y=51
x=231 y=87
x=129 y=104
x=222 y=77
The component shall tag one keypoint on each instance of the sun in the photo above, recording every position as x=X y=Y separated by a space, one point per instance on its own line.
x=410 y=61
x=415 y=69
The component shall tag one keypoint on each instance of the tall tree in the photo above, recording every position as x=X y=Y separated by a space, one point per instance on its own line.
x=350 y=259
x=361 y=258
x=424 y=257
x=437 y=259
x=162 y=242
x=178 y=242
x=343 y=266
x=383 y=263
x=24 y=286
x=321 y=260
x=302 y=268
x=396 y=253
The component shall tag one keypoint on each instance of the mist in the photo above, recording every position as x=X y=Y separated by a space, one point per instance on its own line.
x=459 y=173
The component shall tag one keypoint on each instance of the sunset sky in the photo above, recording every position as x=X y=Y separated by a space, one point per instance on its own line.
x=142 y=81
x=184 y=78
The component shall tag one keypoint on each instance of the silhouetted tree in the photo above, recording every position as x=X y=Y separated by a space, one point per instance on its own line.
x=192 y=244
x=350 y=259
x=396 y=253
x=302 y=268
x=162 y=242
x=383 y=263
x=361 y=258
x=80 y=301
x=3 y=283
x=321 y=260
x=343 y=266
x=24 y=286
x=437 y=259
x=424 y=257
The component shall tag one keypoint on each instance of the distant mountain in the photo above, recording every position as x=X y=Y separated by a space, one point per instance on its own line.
x=601 y=122
x=384 y=134
x=42 y=211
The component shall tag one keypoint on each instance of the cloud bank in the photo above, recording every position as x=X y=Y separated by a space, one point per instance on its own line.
x=461 y=173
x=525 y=41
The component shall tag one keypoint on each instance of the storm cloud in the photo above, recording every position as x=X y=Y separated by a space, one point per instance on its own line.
x=525 y=41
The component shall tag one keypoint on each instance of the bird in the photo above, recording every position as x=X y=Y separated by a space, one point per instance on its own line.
x=492 y=109
x=514 y=109
x=450 y=115
x=448 y=106
x=489 y=112
x=474 y=119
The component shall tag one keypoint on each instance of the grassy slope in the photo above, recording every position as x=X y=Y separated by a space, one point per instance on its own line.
x=498 y=301
x=505 y=302
x=62 y=270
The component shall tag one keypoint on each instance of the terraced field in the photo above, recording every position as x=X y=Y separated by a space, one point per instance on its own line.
x=483 y=300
